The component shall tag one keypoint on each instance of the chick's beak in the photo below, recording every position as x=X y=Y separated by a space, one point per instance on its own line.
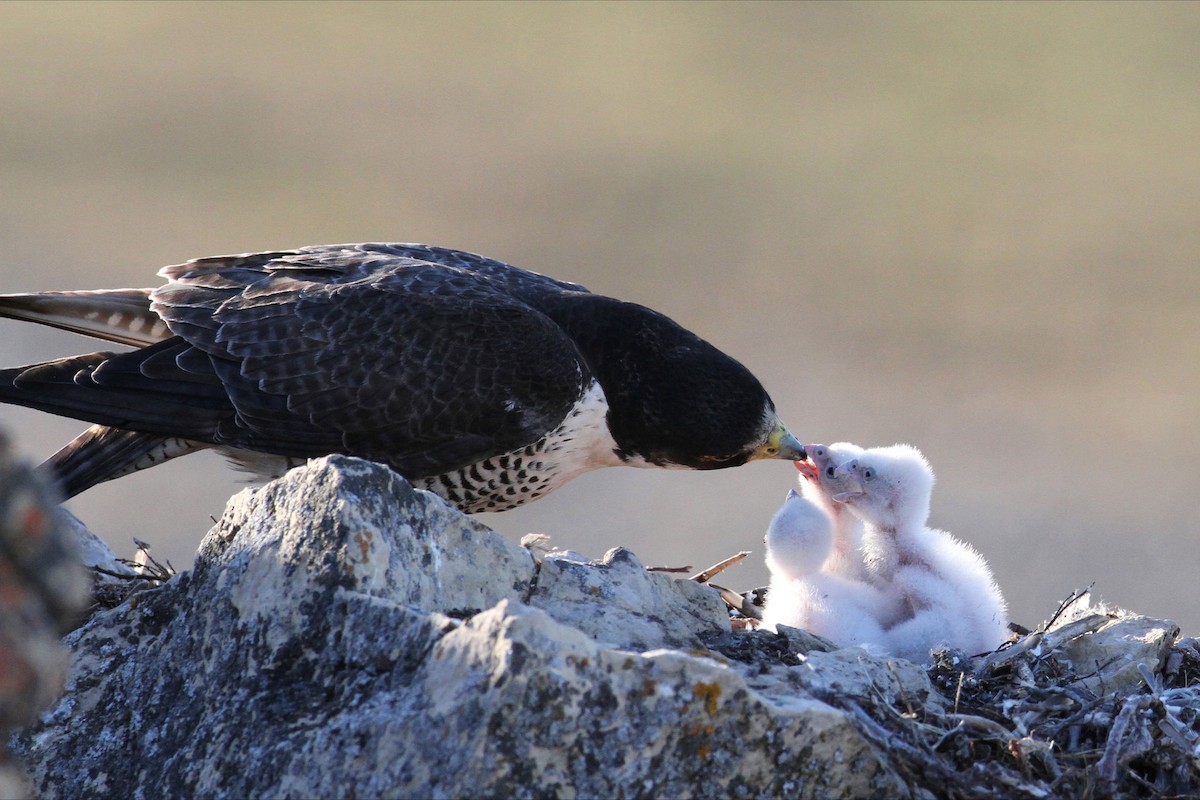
x=780 y=444
x=851 y=484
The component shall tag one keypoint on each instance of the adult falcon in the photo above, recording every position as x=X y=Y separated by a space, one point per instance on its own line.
x=487 y=384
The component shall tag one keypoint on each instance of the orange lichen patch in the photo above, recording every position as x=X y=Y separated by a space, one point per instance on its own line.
x=709 y=654
x=364 y=542
x=708 y=692
x=702 y=734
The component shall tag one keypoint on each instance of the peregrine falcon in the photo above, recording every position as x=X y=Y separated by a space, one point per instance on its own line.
x=484 y=383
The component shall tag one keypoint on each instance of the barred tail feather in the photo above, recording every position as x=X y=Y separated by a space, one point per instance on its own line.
x=116 y=315
x=102 y=453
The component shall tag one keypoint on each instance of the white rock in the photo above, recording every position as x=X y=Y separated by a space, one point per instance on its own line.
x=641 y=610
x=1108 y=658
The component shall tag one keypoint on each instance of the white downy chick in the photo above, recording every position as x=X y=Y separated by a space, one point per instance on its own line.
x=799 y=541
x=945 y=583
x=819 y=483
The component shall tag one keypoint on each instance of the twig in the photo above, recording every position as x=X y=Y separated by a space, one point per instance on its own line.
x=1071 y=600
x=891 y=665
x=147 y=566
x=1045 y=641
x=1107 y=766
x=959 y=728
x=734 y=600
x=687 y=568
x=125 y=576
x=983 y=725
x=704 y=575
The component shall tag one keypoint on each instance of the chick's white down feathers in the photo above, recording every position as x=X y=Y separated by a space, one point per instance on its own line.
x=854 y=561
x=802 y=594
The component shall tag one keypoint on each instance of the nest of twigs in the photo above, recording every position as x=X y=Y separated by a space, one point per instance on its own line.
x=1032 y=726
x=112 y=587
x=1022 y=722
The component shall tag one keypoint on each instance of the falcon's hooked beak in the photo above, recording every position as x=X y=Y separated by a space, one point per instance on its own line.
x=780 y=444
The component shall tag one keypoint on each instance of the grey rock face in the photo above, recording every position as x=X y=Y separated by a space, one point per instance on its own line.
x=640 y=610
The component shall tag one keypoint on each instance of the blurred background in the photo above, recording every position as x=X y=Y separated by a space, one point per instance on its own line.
x=971 y=227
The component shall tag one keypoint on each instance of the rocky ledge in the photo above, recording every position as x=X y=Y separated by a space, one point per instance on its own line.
x=345 y=635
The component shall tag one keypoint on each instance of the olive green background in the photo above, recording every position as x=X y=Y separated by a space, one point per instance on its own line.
x=972 y=227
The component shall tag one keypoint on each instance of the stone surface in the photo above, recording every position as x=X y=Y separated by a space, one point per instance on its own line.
x=93 y=551
x=351 y=524
x=1112 y=658
x=314 y=651
x=641 y=610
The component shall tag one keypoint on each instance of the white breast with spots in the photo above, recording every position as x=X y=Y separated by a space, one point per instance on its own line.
x=579 y=444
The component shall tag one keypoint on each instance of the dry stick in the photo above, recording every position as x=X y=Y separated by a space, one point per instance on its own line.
x=1048 y=640
x=891 y=665
x=126 y=576
x=1023 y=645
x=982 y=725
x=731 y=598
x=153 y=568
x=687 y=568
x=1107 y=766
x=704 y=575
x=1071 y=600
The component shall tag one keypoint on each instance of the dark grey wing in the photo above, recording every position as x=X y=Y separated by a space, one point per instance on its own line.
x=513 y=280
x=421 y=367
x=343 y=263
x=125 y=315
x=420 y=357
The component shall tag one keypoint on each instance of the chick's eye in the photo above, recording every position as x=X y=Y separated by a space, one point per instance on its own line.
x=829 y=472
x=869 y=474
